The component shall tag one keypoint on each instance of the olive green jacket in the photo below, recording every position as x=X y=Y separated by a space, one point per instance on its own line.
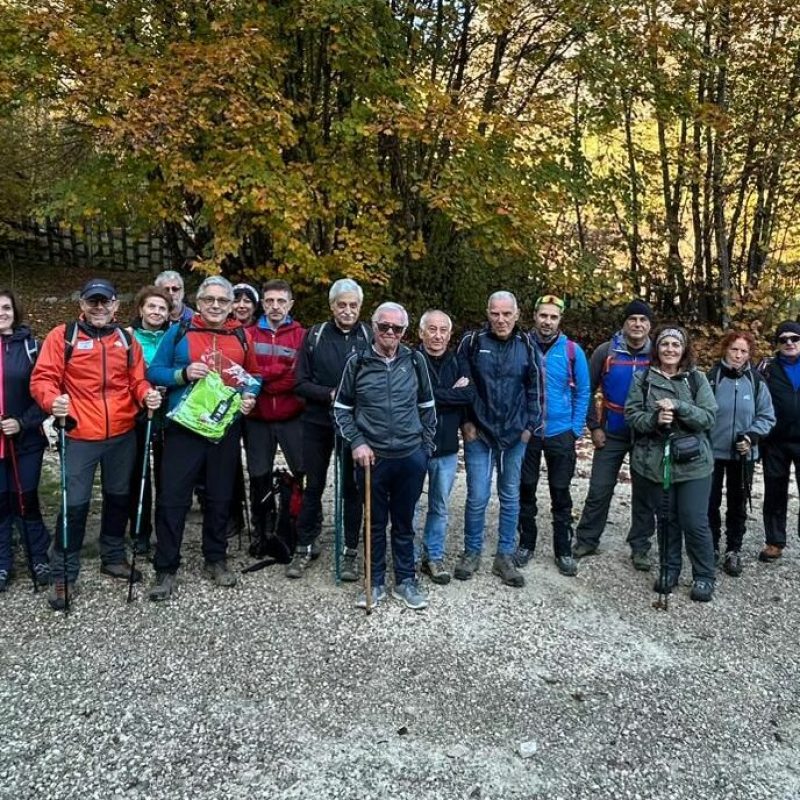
x=692 y=415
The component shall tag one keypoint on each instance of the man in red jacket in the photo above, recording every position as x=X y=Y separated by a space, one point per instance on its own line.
x=275 y=420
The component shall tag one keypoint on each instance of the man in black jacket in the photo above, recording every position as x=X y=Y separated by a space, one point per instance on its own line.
x=385 y=410
x=320 y=363
x=453 y=392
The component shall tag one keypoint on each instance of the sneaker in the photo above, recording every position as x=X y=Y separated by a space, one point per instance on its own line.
x=57 y=597
x=219 y=573
x=378 y=596
x=41 y=574
x=121 y=570
x=300 y=561
x=702 y=590
x=671 y=583
x=567 y=565
x=505 y=569
x=772 y=552
x=583 y=549
x=436 y=570
x=732 y=564
x=467 y=565
x=166 y=584
x=641 y=561
x=408 y=592
x=4 y=579
x=349 y=570
x=522 y=556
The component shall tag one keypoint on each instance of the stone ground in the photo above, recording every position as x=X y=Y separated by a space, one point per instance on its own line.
x=567 y=688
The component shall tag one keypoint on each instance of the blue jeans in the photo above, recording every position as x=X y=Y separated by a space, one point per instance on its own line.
x=480 y=459
x=441 y=477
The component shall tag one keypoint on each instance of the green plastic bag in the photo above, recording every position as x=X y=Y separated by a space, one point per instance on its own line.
x=209 y=408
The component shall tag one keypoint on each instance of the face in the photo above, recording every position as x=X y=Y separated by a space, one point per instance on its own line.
x=98 y=310
x=175 y=291
x=387 y=341
x=244 y=309
x=636 y=328
x=277 y=305
x=502 y=316
x=670 y=352
x=154 y=312
x=738 y=353
x=346 y=308
x=436 y=334
x=789 y=345
x=214 y=305
x=547 y=319
x=6 y=315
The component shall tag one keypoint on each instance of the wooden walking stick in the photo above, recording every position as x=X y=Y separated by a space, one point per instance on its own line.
x=368 y=535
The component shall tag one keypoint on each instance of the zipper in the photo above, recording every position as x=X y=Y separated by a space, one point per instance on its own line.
x=103 y=385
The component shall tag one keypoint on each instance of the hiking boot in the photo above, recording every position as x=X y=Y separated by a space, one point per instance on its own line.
x=122 y=570
x=583 y=549
x=467 y=565
x=299 y=563
x=717 y=559
x=641 y=561
x=671 y=583
x=408 y=592
x=349 y=570
x=732 y=564
x=437 y=572
x=166 y=584
x=505 y=569
x=141 y=547
x=522 y=557
x=219 y=573
x=702 y=590
x=567 y=566
x=4 y=579
x=772 y=552
x=41 y=574
x=56 y=597
x=378 y=595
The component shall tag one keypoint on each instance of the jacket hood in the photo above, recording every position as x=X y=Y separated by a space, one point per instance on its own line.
x=20 y=333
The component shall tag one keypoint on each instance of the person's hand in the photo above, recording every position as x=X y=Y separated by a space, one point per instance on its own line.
x=10 y=426
x=525 y=436
x=665 y=404
x=152 y=399
x=598 y=438
x=248 y=402
x=666 y=417
x=197 y=370
x=469 y=431
x=743 y=445
x=60 y=407
x=461 y=383
x=333 y=395
x=363 y=455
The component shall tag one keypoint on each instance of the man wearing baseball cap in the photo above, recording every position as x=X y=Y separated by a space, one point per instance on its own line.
x=611 y=371
x=90 y=375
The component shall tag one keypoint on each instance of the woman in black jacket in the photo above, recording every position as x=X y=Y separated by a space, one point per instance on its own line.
x=22 y=445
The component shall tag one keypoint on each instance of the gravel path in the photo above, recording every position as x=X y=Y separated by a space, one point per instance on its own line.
x=567 y=688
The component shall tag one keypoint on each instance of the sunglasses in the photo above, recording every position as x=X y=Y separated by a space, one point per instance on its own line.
x=387 y=327
x=789 y=339
x=550 y=300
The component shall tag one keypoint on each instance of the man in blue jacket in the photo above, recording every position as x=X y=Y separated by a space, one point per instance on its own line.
x=565 y=400
x=499 y=361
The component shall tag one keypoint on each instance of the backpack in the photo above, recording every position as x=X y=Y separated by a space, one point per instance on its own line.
x=753 y=375
x=31 y=349
x=693 y=380
x=185 y=326
x=71 y=337
x=276 y=543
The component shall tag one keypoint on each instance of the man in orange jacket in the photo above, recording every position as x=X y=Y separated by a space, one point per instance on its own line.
x=90 y=374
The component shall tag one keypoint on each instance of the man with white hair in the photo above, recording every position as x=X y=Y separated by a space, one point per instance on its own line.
x=384 y=409
x=172 y=283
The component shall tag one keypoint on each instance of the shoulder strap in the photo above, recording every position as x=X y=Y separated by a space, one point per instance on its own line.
x=183 y=329
x=694 y=383
x=31 y=349
x=756 y=380
x=240 y=334
x=70 y=337
x=313 y=335
x=713 y=377
x=571 y=363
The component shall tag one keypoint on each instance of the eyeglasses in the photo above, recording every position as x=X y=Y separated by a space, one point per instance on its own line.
x=387 y=327
x=172 y=289
x=550 y=300
x=98 y=302
x=789 y=339
x=215 y=301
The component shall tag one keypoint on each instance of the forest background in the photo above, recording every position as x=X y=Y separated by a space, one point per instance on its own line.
x=435 y=151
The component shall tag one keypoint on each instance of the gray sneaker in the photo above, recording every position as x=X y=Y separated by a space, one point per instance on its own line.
x=467 y=565
x=41 y=572
x=567 y=565
x=522 y=556
x=349 y=571
x=299 y=563
x=437 y=572
x=641 y=561
x=219 y=573
x=378 y=595
x=165 y=586
x=583 y=549
x=505 y=569
x=409 y=593
x=732 y=563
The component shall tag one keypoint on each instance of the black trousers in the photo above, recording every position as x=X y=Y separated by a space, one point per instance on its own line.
x=733 y=473
x=153 y=479
x=778 y=458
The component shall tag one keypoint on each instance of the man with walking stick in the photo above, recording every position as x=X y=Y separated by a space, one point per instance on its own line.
x=385 y=410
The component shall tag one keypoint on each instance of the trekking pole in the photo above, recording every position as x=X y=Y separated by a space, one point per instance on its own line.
x=368 y=535
x=747 y=487
x=62 y=444
x=148 y=431
x=21 y=503
x=338 y=511
x=662 y=603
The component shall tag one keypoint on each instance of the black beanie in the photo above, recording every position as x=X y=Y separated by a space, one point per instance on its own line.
x=637 y=308
x=787 y=327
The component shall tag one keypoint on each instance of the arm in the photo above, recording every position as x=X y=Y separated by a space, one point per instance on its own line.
x=47 y=378
x=582 y=393
x=596 y=364
x=764 y=417
x=163 y=370
x=533 y=395
x=344 y=406
x=304 y=384
x=138 y=385
x=426 y=404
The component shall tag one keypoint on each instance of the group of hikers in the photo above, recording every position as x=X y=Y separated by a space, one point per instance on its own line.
x=185 y=387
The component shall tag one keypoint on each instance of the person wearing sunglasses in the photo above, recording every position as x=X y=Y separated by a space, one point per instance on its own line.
x=172 y=283
x=386 y=412
x=781 y=448
x=564 y=374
